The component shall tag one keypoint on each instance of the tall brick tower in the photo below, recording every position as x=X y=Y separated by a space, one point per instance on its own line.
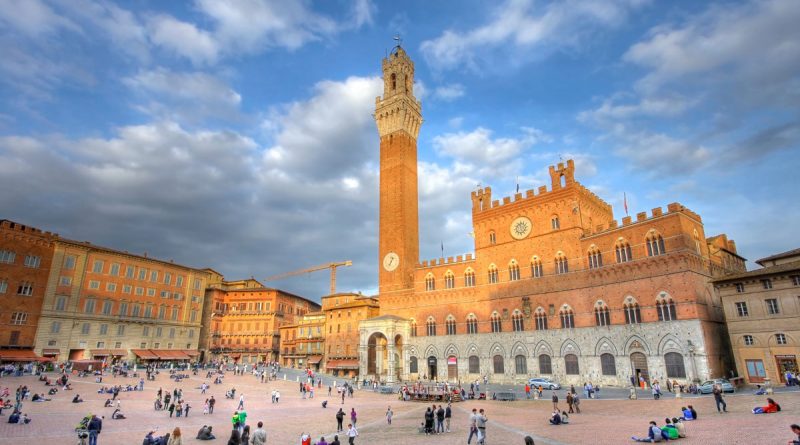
x=398 y=116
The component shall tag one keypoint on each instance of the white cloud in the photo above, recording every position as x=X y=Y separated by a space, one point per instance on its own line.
x=518 y=23
x=612 y=109
x=656 y=154
x=34 y=18
x=449 y=92
x=184 y=39
x=123 y=27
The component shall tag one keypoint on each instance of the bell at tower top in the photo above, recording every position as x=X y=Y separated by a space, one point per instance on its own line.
x=398 y=74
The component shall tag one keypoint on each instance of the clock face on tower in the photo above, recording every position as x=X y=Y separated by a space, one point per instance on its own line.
x=391 y=261
x=521 y=227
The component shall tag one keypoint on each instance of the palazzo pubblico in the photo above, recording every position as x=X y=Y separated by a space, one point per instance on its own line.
x=556 y=286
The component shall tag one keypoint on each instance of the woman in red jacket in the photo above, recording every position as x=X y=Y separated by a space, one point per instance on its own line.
x=771 y=407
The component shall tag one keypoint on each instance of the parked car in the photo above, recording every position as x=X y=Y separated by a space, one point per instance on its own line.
x=545 y=383
x=508 y=396
x=708 y=386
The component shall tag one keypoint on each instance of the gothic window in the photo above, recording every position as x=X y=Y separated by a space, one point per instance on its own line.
x=608 y=364
x=474 y=364
x=413 y=328
x=513 y=271
x=632 y=313
x=666 y=309
x=430 y=282
x=541 y=319
x=497 y=325
x=567 y=318
x=394 y=81
x=655 y=244
x=492 y=238
x=449 y=280
x=697 y=242
x=601 y=315
x=451 y=325
x=536 y=267
x=545 y=364
x=554 y=222
x=412 y=365
x=571 y=364
x=492 y=274
x=472 y=324
x=623 y=250
x=516 y=321
x=497 y=362
x=431 y=327
x=469 y=278
x=520 y=365
x=562 y=265
x=595 y=258
x=673 y=361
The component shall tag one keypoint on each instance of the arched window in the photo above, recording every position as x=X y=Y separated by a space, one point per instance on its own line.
x=430 y=282
x=623 y=250
x=601 y=316
x=513 y=271
x=413 y=328
x=394 y=81
x=562 y=266
x=595 y=258
x=431 y=325
x=655 y=244
x=674 y=364
x=571 y=364
x=697 y=242
x=497 y=361
x=472 y=324
x=516 y=321
x=497 y=325
x=450 y=323
x=608 y=364
x=536 y=267
x=545 y=364
x=492 y=274
x=541 y=319
x=520 y=364
x=412 y=365
x=666 y=309
x=567 y=318
x=469 y=278
x=554 y=222
x=449 y=280
x=492 y=238
x=632 y=313
x=474 y=364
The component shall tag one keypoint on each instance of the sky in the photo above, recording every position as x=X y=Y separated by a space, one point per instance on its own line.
x=238 y=135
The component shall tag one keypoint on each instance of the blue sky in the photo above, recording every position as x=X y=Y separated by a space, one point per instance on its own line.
x=238 y=134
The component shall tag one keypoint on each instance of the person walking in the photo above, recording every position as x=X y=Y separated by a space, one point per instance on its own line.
x=211 y=403
x=569 y=402
x=448 y=413
x=389 y=415
x=555 y=401
x=719 y=400
x=259 y=436
x=353 y=415
x=576 y=402
x=339 y=420
x=527 y=391
x=473 y=425
x=94 y=427
x=241 y=402
x=481 y=423
x=352 y=432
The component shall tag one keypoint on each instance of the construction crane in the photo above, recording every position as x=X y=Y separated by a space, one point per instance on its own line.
x=331 y=266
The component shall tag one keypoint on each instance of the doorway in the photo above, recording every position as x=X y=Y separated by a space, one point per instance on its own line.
x=432 y=371
x=640 y=371
x=452 y=368
x=785 y=364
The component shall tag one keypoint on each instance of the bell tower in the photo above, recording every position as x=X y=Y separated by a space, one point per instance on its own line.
x=398 y=116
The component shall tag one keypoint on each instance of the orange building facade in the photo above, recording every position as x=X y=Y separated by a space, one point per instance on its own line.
x=556 y=287
x=303 y=343
x=26 y=254
x=343 y=314
x=245 y=319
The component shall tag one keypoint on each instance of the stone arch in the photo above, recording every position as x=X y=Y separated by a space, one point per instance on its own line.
x=431 y=351
x=629 y=299
x=519 y=349
x=570 y=347
x=451 y=349
x=604 y=344
x=670 y=343
x=412 y=350
x=631 y=345
x=473 y=349
x=496 y=349
x=542 y=347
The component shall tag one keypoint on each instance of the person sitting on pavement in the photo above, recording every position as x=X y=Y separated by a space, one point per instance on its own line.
x=107 y=404
x=679 y=426
x=39 y=398
x=564 y=418
x=693 y=411
x=117 y=414
x=653 y=434
x=771 y=407
x=671 y=430
x=555 y=418
x=205 y=433
x=686 y=413
x=77 y=399
x=14 y=417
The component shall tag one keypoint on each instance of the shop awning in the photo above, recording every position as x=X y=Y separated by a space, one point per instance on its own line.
x=314 y=359
x=51 y=351
x=144 y=354
x=100 y=352
x=170 y=354
x=191 y=352
x=118 y=352
x=20 y=355
x=342 y=364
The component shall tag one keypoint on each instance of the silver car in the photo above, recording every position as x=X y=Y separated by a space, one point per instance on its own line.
x=545 y=383
x=707 y=387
